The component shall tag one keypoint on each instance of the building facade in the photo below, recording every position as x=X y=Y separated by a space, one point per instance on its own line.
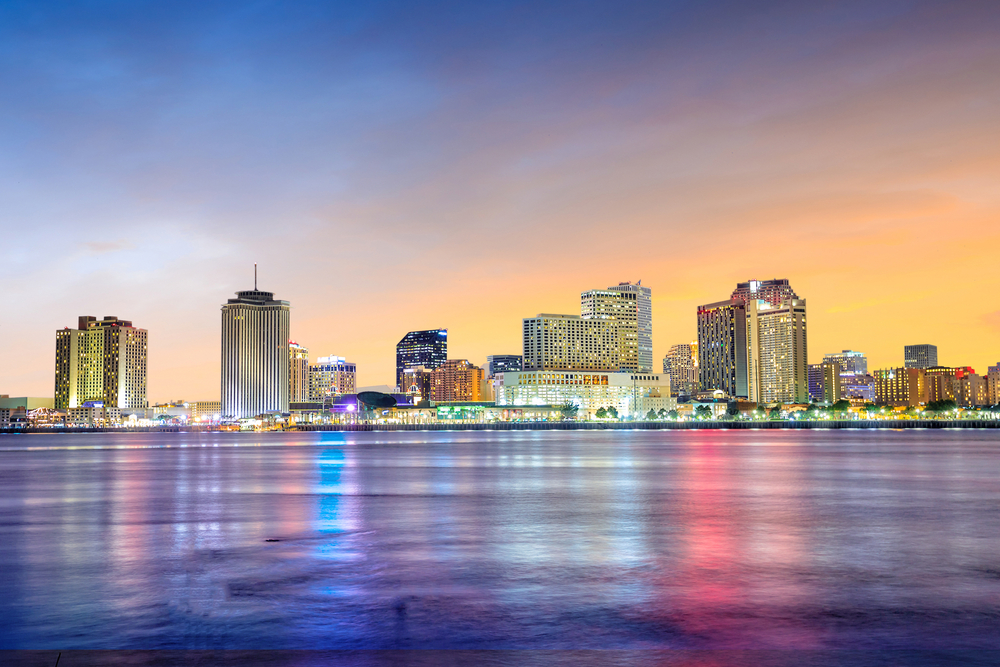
x=777 y=352
x=298 y=373
x=101 y=361
x=330 y=377
x=570 y=342
x=631 y=394
x=920 y=356
x=722 y=348
x=503 y=363
x=851 y=363
x=417 y=383
x=682 y=367
x=824 y=382
x=993 y=385
x=774 y=291
x=457 y=380
x=900 y=387
x=630 y=306
x=427 y=348
x=255 y=355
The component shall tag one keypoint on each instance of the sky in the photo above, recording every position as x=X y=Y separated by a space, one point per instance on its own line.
x=394 y=166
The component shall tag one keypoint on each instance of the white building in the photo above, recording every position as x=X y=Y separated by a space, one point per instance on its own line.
x=631 y=394
x=254 y=354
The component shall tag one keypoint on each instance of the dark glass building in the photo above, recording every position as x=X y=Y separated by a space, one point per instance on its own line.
x=502 y=363
x=421 y=348
x=920 y=356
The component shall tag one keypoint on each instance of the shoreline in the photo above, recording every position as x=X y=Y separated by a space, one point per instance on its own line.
x=861 y=424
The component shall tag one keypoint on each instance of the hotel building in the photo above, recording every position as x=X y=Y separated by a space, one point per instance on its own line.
x=722 y=348
x=101 y=361
x=255 y=355
x=570 y=342
x=900 y=387
x=824 y=382
x=298 y=373
x=681 y=364
x=630 y=306
x=776 y=352
x=456 y=380
x=330 y=377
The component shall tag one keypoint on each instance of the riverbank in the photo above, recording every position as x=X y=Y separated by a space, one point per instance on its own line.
x=891 y=424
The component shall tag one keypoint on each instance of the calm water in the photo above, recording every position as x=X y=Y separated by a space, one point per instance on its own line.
x=837 y=545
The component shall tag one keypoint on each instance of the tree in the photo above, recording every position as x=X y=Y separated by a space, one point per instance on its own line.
x=775 y=413
x=663 y=413
x=732 y=411
x=568 y=411
x=602 y=413
x=613 y=413
x=672 y=414
x=651 y=415
x=843 y=405
x=941 y=406
x=812 y=411
x=703 y=411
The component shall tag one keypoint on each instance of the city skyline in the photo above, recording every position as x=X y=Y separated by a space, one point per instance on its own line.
x=150 y=157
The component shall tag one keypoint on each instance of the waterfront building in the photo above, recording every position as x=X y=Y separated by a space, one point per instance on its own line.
x=993 y=385
x=331 y=376
x=457 y=380
x=722 y=348
x=776 y=352
x=681 y=365
x=254 y=354
x=960 y=384
x=824 y=382
x=96 y=416
x=26 y=403
x=502 y=363
x=920 y=356
x=298 y=373
x=631 y=394
x=205 y=409
x=570 y=342
x=900 y=387
x=859 y=389
x=101 y=361
x=630 y=306
x=421 y=348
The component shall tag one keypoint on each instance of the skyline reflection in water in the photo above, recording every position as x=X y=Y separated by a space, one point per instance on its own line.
x=788 y=540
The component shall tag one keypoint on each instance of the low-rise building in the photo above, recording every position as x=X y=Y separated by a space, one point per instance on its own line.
x=905 y=387
x=631 y=394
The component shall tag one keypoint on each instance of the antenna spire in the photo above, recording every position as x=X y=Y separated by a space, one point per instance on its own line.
x=255 y=276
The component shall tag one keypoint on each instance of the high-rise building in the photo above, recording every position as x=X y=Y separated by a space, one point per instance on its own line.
x=920 y=356
x=824 y=382
x=570 y=342
x=298 y=373
x=776 y=352
x=631 y=307
x=101 y=361
x=900 y=386
x=502 y=363
x=722 y=348
x=680 y=364
x=330 y=377
x=774 y=291
x=421 y=348
x=993 y=385
x=850 y=362
x=457 y=380
x=254 y=354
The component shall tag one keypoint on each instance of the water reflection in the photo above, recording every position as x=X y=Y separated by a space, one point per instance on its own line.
x=501 y=540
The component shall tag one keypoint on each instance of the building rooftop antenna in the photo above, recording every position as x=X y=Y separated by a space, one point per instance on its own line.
x=255 y=276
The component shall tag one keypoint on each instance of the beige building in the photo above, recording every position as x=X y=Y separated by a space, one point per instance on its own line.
x=298 y=373
x=993 y=385
x=457 y=380
x=681 y=364
x=570 y=342
x=631 y=394
x=332 y=376
x=205 y=409
x=102 y=361
x=630 y=307
x=900 y=387
x=777 y=371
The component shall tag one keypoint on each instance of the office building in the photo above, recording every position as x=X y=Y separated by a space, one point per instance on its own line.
x=630 y=306
x=920 y=356
x=570 y=342
x=722 y=348
x=457 y=380
x=900 y=387
x=416 y=383
x=824 y=382
x=421 y=348
x=776 y=352
x=851 y=363
x=858 y=389
x=298 y=373
x=502 y=363
x=255 y=354
x=101 y=361
x=330 y=377
x=681 y=365
x=631 y=394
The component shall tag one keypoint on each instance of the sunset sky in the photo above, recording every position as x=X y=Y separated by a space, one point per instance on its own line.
x=394 y=166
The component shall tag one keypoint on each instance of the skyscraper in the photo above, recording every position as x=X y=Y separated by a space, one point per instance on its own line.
x=776 y=352
x=570 y=342
x=421 y=348
x=255 y=354
x=101 y=361
x=679 y=364
x=722 y=348
x=456 y=380
x=920 y=356
x=298 y=373
x=631 y=307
